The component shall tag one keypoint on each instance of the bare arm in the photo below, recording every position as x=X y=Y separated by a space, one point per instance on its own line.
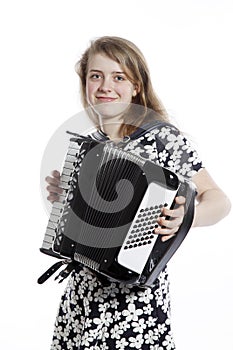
x=213 y=204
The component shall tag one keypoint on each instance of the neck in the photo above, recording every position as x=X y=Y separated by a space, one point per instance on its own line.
x=111 y=128
x=113 y=131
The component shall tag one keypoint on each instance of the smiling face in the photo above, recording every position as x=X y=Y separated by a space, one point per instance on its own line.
x=108 y=88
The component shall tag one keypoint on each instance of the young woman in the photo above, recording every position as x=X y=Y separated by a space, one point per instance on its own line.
x=114 y=79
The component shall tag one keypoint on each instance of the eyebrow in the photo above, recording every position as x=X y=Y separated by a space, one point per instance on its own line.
x=114 y=72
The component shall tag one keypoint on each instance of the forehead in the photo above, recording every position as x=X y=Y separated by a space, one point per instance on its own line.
x=104 y=63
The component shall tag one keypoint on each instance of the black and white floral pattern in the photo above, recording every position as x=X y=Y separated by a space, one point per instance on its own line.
x=96 y=316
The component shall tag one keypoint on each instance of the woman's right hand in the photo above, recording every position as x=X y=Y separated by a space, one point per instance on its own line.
x=53 y=186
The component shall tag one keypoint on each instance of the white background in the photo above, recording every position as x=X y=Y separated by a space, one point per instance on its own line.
x=188 y=46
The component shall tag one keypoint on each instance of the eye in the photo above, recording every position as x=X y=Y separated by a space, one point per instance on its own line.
x=119 y=78
x=95 y=76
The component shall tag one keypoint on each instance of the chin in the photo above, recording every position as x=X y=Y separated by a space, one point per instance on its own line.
x=110 y=109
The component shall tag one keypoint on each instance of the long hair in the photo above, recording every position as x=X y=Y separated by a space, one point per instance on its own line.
x=132 y=61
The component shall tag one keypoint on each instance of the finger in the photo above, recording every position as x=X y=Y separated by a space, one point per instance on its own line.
x=180 y=200
x=56 y=174
x=166 y=231
x=166 y=234
x=166 y=238
x=52 y=180
x=174 y=213
x=54 y=189
x=170 y=223
x=53 y=198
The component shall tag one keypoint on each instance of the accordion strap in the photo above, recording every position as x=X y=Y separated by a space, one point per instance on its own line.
x=62 y=275
x=188 y=190
x=99 y=135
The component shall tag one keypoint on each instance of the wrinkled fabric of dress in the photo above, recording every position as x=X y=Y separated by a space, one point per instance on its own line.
x=95 y=316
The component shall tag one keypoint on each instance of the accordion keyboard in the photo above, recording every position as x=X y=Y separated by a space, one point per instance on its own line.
x=141 y=238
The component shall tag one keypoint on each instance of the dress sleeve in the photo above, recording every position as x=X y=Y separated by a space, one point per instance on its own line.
x=169 y=148
x=177 y=152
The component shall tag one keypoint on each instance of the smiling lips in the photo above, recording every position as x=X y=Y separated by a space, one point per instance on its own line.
x=105 y=98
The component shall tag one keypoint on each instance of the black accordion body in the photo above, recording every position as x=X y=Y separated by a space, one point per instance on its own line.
x=106 y=217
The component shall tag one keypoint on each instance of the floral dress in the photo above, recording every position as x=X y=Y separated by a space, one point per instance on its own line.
x=97 y=316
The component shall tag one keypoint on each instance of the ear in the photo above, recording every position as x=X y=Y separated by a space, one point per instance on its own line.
x=136 y=90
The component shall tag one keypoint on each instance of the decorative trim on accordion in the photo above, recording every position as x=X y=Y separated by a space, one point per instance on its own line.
x=110 y=148
x=86 y=261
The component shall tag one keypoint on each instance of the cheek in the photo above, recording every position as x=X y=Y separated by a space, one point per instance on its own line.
x=127 y=93
x=90 y=89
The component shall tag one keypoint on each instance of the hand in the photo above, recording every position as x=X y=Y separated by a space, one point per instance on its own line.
x=53 y=187
x=170 y=227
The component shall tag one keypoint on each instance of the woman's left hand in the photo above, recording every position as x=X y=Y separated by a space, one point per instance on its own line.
x=169 y=227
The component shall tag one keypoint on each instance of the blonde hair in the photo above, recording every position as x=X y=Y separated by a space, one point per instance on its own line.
x=131 y=59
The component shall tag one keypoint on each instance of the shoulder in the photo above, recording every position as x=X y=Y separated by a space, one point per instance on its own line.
x=162 y=133
x=165 y=144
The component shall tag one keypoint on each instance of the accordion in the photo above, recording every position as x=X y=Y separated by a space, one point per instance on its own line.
x=110 y=205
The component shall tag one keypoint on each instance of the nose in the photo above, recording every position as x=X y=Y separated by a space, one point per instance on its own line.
x=105 y=85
